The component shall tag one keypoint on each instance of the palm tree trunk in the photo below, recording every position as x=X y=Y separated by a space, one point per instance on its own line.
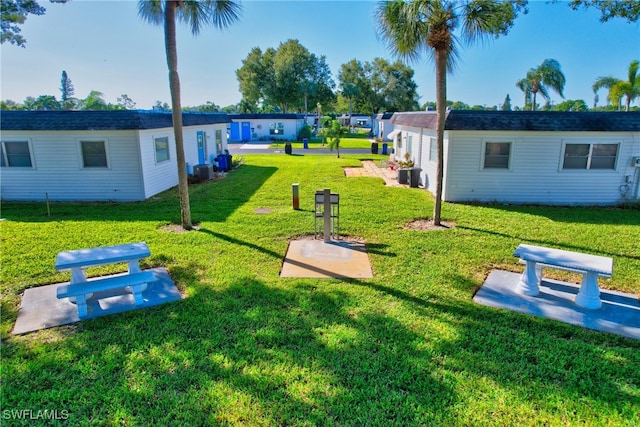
x=174 y=85
x=441 y=111
x=533 y=101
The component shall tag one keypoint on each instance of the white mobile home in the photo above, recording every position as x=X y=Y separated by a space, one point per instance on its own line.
x=381 y=127
x=100 y=155
x=590 y=158
x=355 y=120
x=265 y=127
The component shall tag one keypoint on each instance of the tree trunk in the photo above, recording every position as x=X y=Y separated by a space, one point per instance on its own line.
x=441 y=112
x=174 y=85
x=533 y=101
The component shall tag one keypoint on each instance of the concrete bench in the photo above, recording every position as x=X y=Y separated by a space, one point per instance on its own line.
x=84 y=290
x=590 y=266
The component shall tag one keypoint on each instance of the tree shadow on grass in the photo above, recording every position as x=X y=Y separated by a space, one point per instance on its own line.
x=517 y=351
x=550 y=243
x=209 y=201
x=572 y=214
x=248 y=354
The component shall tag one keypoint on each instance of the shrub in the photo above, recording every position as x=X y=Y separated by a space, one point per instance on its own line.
x=305 y=132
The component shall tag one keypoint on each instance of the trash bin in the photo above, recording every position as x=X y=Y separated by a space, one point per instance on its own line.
x=222 y=162
x=229 y=161
x=403 y=176
x=374 y=148
x=287 y=148
x=414 y=174
x=305 y=143
x=384 y=148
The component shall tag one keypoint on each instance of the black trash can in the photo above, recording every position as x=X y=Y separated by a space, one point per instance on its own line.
x=288 y=149
x=229 y=161
x=403 y=176
x=374 y=148
x=414 y=174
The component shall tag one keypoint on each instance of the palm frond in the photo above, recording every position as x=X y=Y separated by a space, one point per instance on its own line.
x=606 y=82
x=151 y=11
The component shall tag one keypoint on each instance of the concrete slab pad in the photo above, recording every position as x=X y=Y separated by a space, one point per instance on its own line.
x=40 y=308
x=620 y=312
x=317 y=258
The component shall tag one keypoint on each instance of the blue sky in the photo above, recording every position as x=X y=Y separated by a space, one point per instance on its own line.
x=104 y=46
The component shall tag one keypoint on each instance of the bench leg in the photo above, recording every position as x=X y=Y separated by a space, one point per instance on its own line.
x=137 y=293
x=134 y=267
x=589 y=294
x=529 y=281
x=81 y=301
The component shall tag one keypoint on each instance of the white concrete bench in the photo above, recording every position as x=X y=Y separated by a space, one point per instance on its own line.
x=78 y=260
x=84 y=290
x=590 y=266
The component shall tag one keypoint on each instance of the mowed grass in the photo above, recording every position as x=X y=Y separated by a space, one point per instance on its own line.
x=316 y=143
x=246 y=347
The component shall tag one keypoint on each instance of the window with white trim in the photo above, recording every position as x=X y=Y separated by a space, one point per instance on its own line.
x=94 y=154
x=433 y=150
x=161 y=149
x=590 y=156
x=15 y=154
x=276 y=128
x=497 y=155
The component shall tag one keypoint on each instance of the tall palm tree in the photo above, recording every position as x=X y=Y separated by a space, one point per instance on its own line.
x=220 y=14
x=619 y=88
x=414 y=27
x=547 y=75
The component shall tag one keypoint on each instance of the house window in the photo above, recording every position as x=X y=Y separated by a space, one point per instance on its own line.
x=15 y=154
x=433 y=150
x=219 y=140
x=276 y=128
x=590 y=156
x=409 y=143
x=94 y=154
x=162 y=149
x=496 y=155
x=399 y=140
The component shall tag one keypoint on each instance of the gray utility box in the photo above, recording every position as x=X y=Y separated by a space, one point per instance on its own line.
x=204 y=172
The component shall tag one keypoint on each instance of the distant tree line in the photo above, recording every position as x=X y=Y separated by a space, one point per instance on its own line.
x=363 y=87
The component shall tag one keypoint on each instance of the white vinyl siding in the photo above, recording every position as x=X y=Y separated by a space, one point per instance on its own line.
x=60 y=174
x=536 y=174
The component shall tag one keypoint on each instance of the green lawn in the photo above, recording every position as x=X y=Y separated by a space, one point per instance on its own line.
x=314 y=143
x=245 y=347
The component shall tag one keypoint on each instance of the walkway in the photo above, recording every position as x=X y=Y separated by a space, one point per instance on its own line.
x=371 y=168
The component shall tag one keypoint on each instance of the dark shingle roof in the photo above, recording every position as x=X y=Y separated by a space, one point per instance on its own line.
x=270 y=116
x=101 y=120
x=525 y=120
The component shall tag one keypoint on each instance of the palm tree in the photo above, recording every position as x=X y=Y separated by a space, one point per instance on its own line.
x=619 y=88
x=219 y=13
x=547 y=75
x=414 y=27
